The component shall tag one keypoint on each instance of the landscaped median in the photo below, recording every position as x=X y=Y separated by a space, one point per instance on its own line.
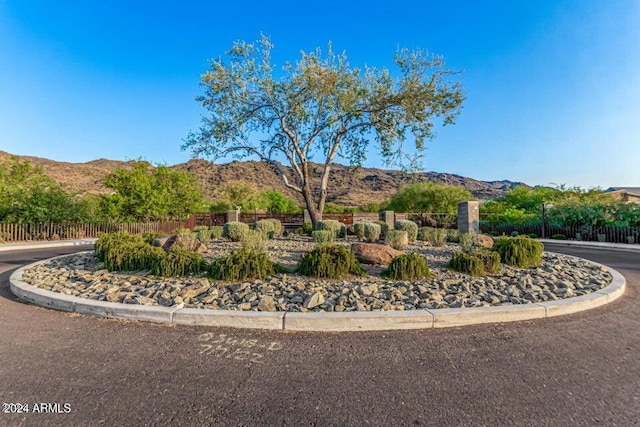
x=419 y=318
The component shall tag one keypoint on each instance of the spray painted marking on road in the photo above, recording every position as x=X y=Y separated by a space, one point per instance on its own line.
x=229 y=347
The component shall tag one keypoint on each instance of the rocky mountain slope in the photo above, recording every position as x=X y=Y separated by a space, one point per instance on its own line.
x=347 y=187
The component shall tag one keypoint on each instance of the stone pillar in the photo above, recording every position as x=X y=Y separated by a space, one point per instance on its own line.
x=469 y=217
x=233 y=216
x=389 y=217
x=306 y=216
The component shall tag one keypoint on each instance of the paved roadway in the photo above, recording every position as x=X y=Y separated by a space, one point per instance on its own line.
x=581 y=369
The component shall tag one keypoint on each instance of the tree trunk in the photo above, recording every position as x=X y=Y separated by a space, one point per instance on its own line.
x=311 y=206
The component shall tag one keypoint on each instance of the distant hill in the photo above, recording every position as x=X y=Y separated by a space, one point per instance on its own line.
x=347 y=187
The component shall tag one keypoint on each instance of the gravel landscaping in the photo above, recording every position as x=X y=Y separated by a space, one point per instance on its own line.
x=558 y=277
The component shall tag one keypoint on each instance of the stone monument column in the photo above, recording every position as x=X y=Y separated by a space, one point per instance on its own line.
x=469 y=217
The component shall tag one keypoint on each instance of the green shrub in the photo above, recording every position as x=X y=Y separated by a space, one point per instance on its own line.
x=494 y=234
x=242 y=264
x=384 y=227
x=234 y=230
x=467 y=240
x=559 y=237
x=397 y=239
x=269 y=227
x=533 y=236
x=307 y=228
x=435 y=236
x=372 y=231
x=332 y=225
x=358 y=228
x=407 y=267
x=255 y=241
x=216 y=231
x=323 y=236
x=519 y=252
x=514 y=234
x=329 y=261
x=409 y=226
x=203 y=233
x=181 y=230
x=278 y=228
x=490 y=260
x=453 y=236
x=466 y=263
x=150 y=237
x=177 y=262
x=126 y=252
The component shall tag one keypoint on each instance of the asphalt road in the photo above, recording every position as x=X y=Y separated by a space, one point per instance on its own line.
x=581 y=369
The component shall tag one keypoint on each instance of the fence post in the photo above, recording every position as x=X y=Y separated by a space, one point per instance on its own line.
x=389 y=217
x=469 y=217
x=233 y=216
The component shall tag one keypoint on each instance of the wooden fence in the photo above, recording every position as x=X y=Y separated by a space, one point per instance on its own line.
x=31 y=232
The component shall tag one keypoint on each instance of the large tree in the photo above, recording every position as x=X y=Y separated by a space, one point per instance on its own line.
x=319 y=105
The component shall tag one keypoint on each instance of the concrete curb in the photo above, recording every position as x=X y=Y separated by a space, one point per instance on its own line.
x=6 y=247
x=337 y=322
x=624 y=247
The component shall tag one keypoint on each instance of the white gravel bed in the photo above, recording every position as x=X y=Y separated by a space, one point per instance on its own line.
x=558 y=277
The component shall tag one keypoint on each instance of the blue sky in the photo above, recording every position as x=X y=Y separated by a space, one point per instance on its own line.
x=553 y=87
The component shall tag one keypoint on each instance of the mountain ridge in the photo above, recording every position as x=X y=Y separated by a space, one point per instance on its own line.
x=347 y=186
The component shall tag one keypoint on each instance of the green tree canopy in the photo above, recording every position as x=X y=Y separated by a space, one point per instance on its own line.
x=429 y=197
x=28 y=195
x=145 y=193
x=319 y=105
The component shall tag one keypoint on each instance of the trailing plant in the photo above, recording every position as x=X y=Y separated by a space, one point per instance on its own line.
x=397 y=239
x=323 y=237
x=177 y=262
x=464 y=262
x=331 y=261
x=407 y=267
x=490 y=260
x=409 y=226
x=235 y=230
x=519 y=252
x=467 y=241
x=242 y=264
x=372 y=231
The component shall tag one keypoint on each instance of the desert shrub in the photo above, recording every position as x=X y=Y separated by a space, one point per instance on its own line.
x=234 y=230
x=216 y=231
x=384 y=227
x=150 y=237
x=559 y=237
x=126 y=252
x=203 y=233
x=332 y=225
x=322 y=237
x=490 y=260
x=242 y=264
x=372 y=231
x=409 y=226
x=453 y=236
x=519 y=251
x=358 y=228
x=397 y=239
x=255 y=241
x=514 y=234
x=435 y=236
x=467 y=240
x=464 y=262
x=407 y=267
x=307 y=228
x=178 y=262
x=533 y=236
x=269 y=227
x=278 y=228
x=329 y=261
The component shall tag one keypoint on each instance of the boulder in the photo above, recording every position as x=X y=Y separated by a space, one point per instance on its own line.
x=373 y=253
x=159 y=241
x=484 y=241
x=171 y=241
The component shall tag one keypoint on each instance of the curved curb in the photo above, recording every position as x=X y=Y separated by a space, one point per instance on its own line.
x=315 y=321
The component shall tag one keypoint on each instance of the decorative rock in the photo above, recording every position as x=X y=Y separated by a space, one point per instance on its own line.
x=267 y=303
x=314 y=301
x=373 y=253
x=484 y=241
x=159 y=241
x=171 y=241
